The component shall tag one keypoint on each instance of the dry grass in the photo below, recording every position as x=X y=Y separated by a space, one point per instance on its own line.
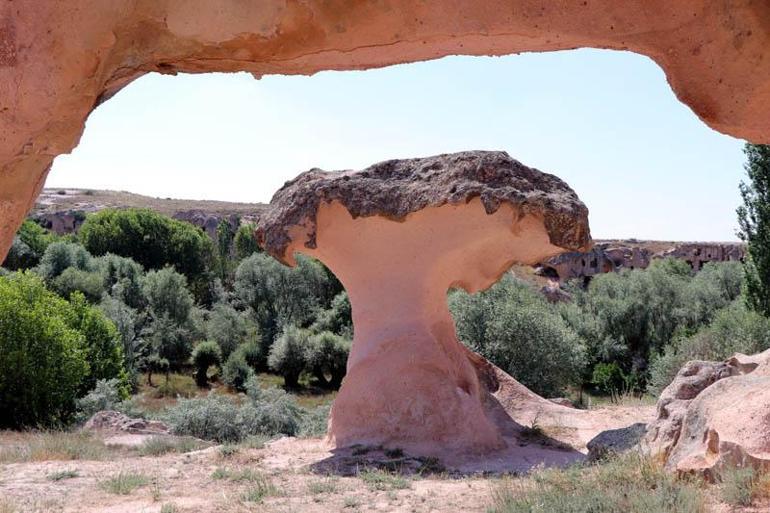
x=123 y=483
x=159 y=445
x=628 y=484
x=743 y=486
x=54 y=445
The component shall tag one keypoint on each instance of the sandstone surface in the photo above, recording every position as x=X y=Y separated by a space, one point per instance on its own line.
x=60 y=60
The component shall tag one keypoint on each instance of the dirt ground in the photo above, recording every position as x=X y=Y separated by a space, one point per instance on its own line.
x=285 y=475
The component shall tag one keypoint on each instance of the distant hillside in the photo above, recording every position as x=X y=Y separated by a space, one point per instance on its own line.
x=63 y=210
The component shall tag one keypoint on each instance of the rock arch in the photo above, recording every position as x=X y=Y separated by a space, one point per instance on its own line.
x=59 y=60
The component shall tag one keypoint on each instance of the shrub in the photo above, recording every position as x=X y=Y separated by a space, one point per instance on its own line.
x=124 y=482
x=735 y=329
x=315 y=422
x=90 y=284
x=287 y=356
x=61 y=255
x=204 y=356
x=20 y=256
x=236 y=372
x=268 y=412
x=252 y=353
x=149 y=238
x=609 y=378
x=514 y=327
x=43 y=357
x=106 y=395
x=209 y=418
x=327 y=353
x=272 y=411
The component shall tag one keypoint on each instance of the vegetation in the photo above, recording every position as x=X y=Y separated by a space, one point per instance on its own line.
x=204 y=356
x=50 y=351
x=630 y=484
x=124 y=483
x=754 y=222
x=742 y=486
x=516 y=329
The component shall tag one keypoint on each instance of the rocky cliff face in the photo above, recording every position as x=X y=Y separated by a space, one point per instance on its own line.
x=606 y=257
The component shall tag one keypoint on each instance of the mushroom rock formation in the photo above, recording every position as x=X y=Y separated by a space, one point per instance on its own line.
x=59 y=60
x=699 y=430
x=399 y=235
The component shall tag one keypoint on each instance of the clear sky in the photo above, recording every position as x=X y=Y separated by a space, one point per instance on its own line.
x=606 y=122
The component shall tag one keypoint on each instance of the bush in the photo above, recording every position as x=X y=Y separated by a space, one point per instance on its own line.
x=271 y=411
x=20 y=256
x=252 y=353
x=90 y=284
x=42 y=356
x=204 y=356
x=268 y=412
x=106 y=395
x=609 y=378
x=735 y=329
x=149 y=238
x=327 y=354
x=513 y=327
x=287 y=356
x=59 y=256
x=236 y=372
x=315 y=422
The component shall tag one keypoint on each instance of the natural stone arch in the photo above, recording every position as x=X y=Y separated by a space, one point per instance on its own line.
x=59 y=60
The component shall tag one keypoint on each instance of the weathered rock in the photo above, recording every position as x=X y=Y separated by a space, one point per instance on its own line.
x=615 y=441
x=713 y=415
x=59 y=60
x=396 y=188
x=604 y=258
x=113 y=422
x=398 y=235
x=207 y=221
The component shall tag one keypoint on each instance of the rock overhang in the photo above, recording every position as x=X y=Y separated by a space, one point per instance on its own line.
x=394 y=189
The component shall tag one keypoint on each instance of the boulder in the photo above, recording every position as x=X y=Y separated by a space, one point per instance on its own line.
x=115 y=423
x=615 y=441
x=714 y=415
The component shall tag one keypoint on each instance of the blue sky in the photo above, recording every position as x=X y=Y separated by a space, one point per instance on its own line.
x=606 y=122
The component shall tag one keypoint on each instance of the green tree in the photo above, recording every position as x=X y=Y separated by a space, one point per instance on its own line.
x=60 y=256
x=287 y=356
x=230 y=328
x=28 y=246
x=516 y=329
x=204 y=356
x=151 y=239
x=245 y=242
x=754 y=223
x=326 y=354
x=225 y=235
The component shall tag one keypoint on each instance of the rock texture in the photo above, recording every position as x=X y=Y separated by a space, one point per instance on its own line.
x=398 y=235
x=59 y=60
x=396 y=188
x=713 y=415
x=615 y=441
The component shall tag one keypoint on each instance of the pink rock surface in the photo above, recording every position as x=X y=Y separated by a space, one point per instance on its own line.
x=715 y=415
x=60 y=60
x=418 y=228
